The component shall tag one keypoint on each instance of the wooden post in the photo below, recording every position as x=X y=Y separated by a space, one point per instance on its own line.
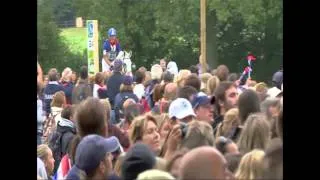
x=203 y=57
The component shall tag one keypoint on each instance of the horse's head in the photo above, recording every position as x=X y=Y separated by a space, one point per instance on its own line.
x=125 y=57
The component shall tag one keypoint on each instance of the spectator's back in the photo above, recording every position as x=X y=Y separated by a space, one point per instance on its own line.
x=83 y=88
x=52 y=87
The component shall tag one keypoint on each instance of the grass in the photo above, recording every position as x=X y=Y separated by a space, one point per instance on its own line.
x=75 y=38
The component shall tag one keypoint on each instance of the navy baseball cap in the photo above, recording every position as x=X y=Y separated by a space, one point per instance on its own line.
x=199 y=100
x=92 y=150
x=127 y=80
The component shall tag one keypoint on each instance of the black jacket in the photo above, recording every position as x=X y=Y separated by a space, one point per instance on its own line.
x=67 y=135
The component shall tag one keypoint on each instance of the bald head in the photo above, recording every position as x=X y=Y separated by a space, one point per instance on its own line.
x=170 y=91
x=203 y=163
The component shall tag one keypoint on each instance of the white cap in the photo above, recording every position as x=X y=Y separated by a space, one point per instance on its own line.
x=273 y=92
x=180 y=108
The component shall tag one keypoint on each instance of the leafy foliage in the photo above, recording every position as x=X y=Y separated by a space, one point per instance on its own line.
x=171 y=29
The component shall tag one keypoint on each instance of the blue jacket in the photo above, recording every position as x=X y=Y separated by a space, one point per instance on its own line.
x=107 y=48
x=49 y=91
x=113 y=86
x=68 y=87
x=119 y=100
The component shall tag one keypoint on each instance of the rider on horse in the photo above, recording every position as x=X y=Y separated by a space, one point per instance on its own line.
x=111 y=48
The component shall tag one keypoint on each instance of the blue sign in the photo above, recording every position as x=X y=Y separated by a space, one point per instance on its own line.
x=90 y=29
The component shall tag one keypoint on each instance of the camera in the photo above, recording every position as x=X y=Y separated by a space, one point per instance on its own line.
x=184 y=129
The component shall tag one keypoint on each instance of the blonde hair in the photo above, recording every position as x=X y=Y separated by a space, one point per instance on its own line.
x=138 y=126
x=156 y=72
x=182 y=76
x=42 y=151
x=212 y=84
x=106 y=104
x=251 y=165
x=255 y=134
x=67 y=72
x=58 y=99
x=204 y=79
x=199 y=133
x=230 y=120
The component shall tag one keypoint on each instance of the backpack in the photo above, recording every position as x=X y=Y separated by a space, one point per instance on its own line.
x=49 y=127
x=119 y=111
x=55 y=144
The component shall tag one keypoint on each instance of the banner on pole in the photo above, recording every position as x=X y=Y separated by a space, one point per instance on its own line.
x=92 y=47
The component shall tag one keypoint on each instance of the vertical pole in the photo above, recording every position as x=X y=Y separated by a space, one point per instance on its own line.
x=203 y=57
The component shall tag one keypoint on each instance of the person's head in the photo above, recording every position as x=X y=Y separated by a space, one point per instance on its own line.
x=156 y=72
x=93 y=155
x=131 y=111
x=167 y=77
x=251 y=166
x=203 y=163
x=155 y=174
x=45 y=154
x=233 y=161
x=91 y=118
x=172 y=67
x=203 y=108
x=194 y=81
x=144 y=129
x=158 y=92
x=261 y=89
x=58 y=99
x=273 y=161
x=68 y=112
x=139 y=158
x=84 y=72
x=182 y=76
x=230 y=121
x=212 y=83
x=140 y=77
x=74 y=77
x=225 y=145
x=99 y=78
x=170 y=91
x=222 y=72
x=181 y=109
x=277 y=79
x=53 y=74
x=233 y=77
x=194 y=69
x=255 y=133
x=186 y=92
x=147 y=79
x=204 y=79
x=198 y=134
x=66 y=74
x=163 y=64
x=117 y=65
x=112 y=34
x=174 y=162
x=271 y=107
x=226 y=97
x=248 y=103
x=126 y=85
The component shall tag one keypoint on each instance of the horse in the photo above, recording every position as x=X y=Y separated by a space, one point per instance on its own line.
x=126 y=60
